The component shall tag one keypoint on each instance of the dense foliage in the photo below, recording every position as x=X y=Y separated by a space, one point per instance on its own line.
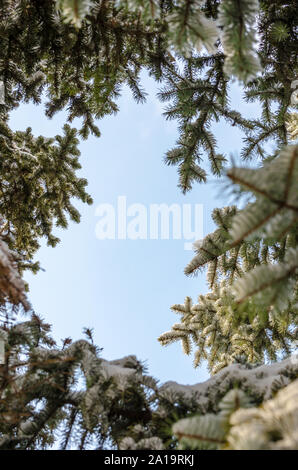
x=76 y=55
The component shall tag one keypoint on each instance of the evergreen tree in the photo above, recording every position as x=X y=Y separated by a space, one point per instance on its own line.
x=78 y=54
x=251 y=257
x=69 y=396
x=80 y=70
x=240 y=426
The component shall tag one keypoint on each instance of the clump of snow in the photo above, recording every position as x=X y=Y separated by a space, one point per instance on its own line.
x=253 y=427
x=114 y=370
x=261 y=381
x=12 y=286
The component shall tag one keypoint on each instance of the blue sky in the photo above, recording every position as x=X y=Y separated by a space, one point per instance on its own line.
x=124 y=288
